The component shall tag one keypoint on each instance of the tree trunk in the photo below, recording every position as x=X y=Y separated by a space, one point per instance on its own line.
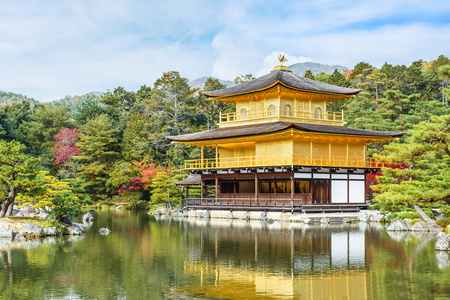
x=5 y=207
x=423 y=215
x=10 y=209
x=10 y=199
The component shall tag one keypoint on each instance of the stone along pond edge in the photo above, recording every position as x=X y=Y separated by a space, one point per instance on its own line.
x=30 y=231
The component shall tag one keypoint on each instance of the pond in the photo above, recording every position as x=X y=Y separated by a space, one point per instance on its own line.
x=161 y=258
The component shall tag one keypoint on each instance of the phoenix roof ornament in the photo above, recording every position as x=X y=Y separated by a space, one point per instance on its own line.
x=281 y=59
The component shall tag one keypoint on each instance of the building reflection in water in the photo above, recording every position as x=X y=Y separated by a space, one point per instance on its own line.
x=247 y=260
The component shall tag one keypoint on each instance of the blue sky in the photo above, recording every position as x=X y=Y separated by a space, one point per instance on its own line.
x=49 y=49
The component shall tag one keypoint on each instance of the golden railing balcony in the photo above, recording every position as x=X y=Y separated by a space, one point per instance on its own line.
x=272 y=114
x=275 y=161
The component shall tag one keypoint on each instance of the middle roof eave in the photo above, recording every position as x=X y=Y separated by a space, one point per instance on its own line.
x=264 y=128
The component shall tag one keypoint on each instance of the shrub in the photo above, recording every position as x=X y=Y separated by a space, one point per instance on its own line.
x=445 y=209
x=443 y=222
x=404 y=215
x=414 y=221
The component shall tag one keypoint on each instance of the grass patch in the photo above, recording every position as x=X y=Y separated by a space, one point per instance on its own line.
x=16 y=223
x=404 y=215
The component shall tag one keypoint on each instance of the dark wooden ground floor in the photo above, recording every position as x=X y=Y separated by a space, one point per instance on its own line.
x=278 y=190
x=267 y=205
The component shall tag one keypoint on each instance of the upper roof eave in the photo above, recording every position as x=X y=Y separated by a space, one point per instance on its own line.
x=343 y=95
x=285 y=78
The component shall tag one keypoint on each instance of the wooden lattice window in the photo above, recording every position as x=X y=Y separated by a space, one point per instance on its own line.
x=317 y=113
x=287 y=110
x=272 y=110
x=244 y=114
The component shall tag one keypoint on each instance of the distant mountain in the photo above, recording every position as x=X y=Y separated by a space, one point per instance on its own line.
x=72 y=102
x=298 y=69
x=315 y=68
x=200 y=82
x=7 y=98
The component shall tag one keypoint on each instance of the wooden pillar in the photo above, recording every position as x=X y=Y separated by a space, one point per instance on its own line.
x=295 y=107
x=217 y=186
x=279 y=103
x=346 y=156
x=329 y=153
x=181 y=196
x=201 y=160
x=364 y=157
x=310 y=108
x=234 y=186
x=201 y=190
x=217 y=156
x=292 y=189
x=256 y=187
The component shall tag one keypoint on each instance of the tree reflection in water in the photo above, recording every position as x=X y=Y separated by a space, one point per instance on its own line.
x=145 y=257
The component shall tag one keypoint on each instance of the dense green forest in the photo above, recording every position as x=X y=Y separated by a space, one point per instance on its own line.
x=7 y=98
x=112 y=147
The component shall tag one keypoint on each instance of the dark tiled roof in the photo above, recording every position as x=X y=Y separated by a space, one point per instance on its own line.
x=254 y=129
x=285 y=77
x=193 y=179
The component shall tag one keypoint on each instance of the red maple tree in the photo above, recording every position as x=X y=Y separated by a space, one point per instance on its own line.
x=65 y=148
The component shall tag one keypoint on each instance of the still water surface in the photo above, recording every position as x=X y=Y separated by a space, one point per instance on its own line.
x=149 y=258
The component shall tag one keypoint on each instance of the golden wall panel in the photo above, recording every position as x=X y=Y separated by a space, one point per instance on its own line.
x=321 y=149
x=356 y=150
x=302 y=148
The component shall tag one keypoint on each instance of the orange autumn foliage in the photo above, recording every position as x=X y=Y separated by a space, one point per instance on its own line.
x=149 y=171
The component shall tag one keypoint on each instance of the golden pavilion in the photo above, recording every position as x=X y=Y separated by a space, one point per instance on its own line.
x=282 y=149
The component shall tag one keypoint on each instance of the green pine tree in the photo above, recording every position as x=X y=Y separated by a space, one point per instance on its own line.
x=423 y=172
x=17 y=173
x=100 y=150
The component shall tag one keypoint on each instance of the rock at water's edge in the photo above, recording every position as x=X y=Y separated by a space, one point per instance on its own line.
x=31 y=229
x=52 y=231
x=177 y=214
x=104 y=231
x=363 y=217
x=399 y=225
x=87 y=218
x=161 y=211
x=6 y=232
x=76 y=229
